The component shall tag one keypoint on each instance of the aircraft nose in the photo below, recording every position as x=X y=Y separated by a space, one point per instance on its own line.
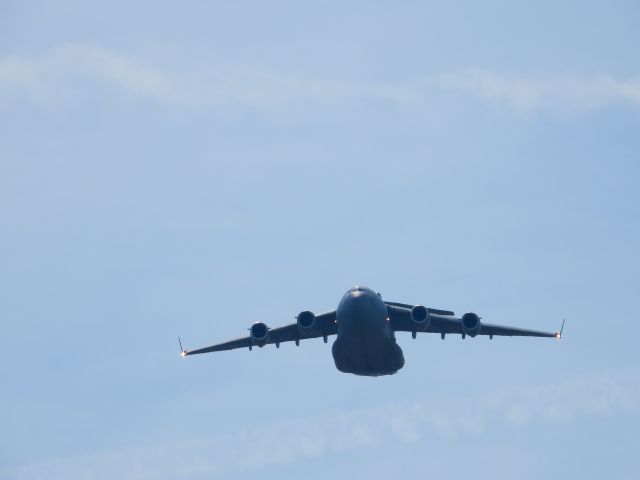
x=358 y=297
x=359 y=304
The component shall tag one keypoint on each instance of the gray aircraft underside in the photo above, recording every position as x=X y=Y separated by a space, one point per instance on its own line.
x=365 y=326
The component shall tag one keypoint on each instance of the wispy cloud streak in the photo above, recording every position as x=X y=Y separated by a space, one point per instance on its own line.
x=66 y=70
x=292 y=440
x=544 y=91
x=74 y=72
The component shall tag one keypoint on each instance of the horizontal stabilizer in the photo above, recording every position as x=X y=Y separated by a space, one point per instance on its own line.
x=431 y=310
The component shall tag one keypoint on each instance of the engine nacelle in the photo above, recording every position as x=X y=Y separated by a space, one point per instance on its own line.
x=471 y=324
x=259 y=334
x=307 y=322
x=420 y=317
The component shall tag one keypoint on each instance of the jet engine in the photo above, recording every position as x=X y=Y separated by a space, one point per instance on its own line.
x=307 y=322
x=470 y=324
x=259 y=333
x=420 y=317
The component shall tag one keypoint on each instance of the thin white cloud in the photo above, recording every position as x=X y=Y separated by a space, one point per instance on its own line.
x=290 y=441
x=75 y=72
x=67 y=70
x=536 y=92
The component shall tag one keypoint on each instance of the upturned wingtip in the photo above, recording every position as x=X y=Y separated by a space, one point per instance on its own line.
x=559 y=334
x=183 y=352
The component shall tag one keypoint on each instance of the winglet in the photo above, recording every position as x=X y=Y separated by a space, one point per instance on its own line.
x=183 y=352
x=559 y=334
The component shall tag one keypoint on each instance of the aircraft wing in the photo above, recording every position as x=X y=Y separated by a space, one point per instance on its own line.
x=289 y=333
x=431 y=310
x=400 y=318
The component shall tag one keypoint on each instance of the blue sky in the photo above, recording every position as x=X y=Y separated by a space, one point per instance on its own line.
x=190 y=170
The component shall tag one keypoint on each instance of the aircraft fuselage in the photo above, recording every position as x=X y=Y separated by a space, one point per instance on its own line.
x=366 y=343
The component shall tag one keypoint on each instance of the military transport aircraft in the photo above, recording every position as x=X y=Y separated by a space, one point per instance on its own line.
x=365 y=326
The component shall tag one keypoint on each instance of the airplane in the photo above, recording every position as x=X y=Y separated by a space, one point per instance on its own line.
x=365 y=326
